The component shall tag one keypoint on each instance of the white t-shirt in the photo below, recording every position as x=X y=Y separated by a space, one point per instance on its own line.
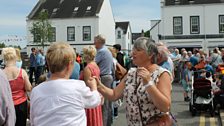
x=61 y=103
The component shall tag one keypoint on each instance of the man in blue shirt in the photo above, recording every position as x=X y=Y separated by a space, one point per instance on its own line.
x=104 y=60
x=39 y=61
x=33 y=64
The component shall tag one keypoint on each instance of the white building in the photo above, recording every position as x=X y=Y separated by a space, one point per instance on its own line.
x=76 y=21
x=191 y=23
x=124 y=35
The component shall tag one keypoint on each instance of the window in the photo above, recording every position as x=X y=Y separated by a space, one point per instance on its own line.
x=177 y=25
x=195 y=24
x=118 y=34
x=36 y=36
x=76 y=9
x=71 y=33
x=88 y=8
x=53 y=37
x=86 y=33
x=221 y=23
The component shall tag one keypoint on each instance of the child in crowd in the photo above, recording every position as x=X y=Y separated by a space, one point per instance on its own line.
x=186 y=80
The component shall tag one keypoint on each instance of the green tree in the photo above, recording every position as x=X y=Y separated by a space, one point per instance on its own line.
x=42 y=29
x=2 y=45
x=147 y=34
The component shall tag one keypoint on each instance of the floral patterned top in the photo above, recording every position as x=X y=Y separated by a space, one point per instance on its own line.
x=135 y=95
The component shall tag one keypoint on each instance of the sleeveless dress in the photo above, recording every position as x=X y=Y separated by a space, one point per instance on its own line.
x=18 y=89
x=138 y=100
x=94 y=116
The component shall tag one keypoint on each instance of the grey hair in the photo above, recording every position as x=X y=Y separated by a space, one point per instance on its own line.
x=148 y=45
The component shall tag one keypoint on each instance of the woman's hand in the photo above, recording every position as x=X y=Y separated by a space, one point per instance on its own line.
x=144 y=74
x=92 y=83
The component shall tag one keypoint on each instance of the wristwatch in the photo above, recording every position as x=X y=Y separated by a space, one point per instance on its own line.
x=149 y=84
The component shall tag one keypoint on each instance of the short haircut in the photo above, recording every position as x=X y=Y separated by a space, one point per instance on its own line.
x=9 y=54
x=117 y=46
x=148 y=45
x=89 y=52
x=32 y=49
x=59 y=55
x=100 y=38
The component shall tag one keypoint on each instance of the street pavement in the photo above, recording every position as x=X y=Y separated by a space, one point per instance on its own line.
x=180 y=110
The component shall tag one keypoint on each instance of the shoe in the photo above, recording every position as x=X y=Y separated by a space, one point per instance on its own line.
x=187 y=99
x=115 y=117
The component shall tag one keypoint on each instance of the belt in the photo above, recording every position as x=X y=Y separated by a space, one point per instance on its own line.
x=105 y=75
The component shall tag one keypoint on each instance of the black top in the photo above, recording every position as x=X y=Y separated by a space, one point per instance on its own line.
x=120 y=58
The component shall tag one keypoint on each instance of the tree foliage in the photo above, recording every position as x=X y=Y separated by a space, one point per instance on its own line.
x=42 y=30
x=2 y=45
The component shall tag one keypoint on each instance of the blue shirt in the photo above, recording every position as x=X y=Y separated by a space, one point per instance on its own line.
x=209 y=68
x=33 y=62
x=104 y=60
x=76 y=71
x=39 y=59
x=167 y=66
x=193 y=60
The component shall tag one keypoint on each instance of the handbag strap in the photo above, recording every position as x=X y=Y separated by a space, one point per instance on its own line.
x=136 y=90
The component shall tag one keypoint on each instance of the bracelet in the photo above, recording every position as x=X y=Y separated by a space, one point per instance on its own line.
x=149 y=84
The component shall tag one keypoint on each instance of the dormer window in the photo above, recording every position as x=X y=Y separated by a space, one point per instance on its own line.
x=76 y=9
x=191 y=1
x=177 y=1
x=55 y=10
x=61 y=1
x=88 y=8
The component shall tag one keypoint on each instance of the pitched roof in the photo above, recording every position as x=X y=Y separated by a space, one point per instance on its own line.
x=136 y=35
x=189 y=2
x=67 y=8
x=123 y=26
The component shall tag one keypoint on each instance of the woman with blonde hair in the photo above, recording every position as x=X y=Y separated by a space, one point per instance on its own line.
x=19 y=83
x=61 y=101
x=94 y=115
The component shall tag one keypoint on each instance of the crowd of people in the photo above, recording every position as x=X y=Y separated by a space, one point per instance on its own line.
x=186 y=62
x=69 y=94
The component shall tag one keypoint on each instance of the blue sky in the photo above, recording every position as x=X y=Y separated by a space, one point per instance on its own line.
x=139 y=12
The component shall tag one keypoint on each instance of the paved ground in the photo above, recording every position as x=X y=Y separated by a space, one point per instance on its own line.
x=180 y=110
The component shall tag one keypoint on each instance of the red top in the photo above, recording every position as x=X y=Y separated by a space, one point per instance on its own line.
x=18 y=89
x=95 y=71
x=94 y=115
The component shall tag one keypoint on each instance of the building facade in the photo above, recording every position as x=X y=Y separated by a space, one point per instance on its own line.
x=124 y=35
x=191 y=23
x=75 y=21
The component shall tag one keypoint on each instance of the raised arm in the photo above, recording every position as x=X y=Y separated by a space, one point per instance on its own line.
x=28 y=86
x=160 y=92
x=111 y=94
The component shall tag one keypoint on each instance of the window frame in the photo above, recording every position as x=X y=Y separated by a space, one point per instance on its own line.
x=83 y=32
x=198 y=32
x=175 y=33
x=221 y=23
x=36 y=36
x=53 y=37
x=68 y=34
x=118 y=35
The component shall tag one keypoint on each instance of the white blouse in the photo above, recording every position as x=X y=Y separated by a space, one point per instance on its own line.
x=61 y=103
